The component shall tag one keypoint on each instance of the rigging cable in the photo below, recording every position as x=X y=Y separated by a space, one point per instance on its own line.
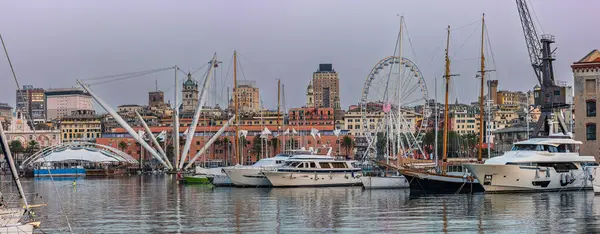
x=35 y=135
x=127 y=74
x=130 y=76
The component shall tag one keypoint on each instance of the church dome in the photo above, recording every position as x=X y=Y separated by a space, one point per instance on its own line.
x=189 y=81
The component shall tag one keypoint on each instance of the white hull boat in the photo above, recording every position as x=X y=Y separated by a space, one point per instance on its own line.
x=595 y=172
x=216 y=175
x=311 y=179
x=387 y=182
x=247 y=177
x=536 y=165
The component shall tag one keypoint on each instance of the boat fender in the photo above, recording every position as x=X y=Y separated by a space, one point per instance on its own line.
x=316 y=178
x=537 y=173
x=547 y=172
x=330 y=176
x=563 y=179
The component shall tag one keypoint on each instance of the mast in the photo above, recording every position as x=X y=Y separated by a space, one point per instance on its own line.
x=176 y=122
x=399 y=142
x=235 y=106
x=481 y=111
x=13 y=168
x=437 y=113
x=278 y=111
x=447 y=76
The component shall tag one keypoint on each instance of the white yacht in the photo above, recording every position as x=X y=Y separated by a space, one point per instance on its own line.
x=314 y=170
x=251 y=176
x=537 y=164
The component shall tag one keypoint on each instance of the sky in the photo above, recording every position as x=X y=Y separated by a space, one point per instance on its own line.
x=53 y=43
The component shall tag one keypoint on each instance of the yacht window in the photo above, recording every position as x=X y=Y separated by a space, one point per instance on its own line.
x=313 y=165
x=338 y=165
x=278 y=162
x=301 y=165
x=559 y=167
x=324 y=165
x=525 y=147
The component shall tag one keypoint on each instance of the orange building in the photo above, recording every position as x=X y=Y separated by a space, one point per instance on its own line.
x=311 y=116
x=223 y=150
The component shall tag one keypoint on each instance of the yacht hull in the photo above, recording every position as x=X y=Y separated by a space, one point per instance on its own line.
x=440 y=184
x=312 y=179
x=17 y=228
x=390 y=182
x=595 y=171
x=221 y=180
x=515 y=178
x=247 y=177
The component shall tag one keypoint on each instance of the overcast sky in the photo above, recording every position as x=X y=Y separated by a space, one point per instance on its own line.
x=53 y=43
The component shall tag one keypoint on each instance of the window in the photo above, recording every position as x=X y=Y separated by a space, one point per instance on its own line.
x=590 y=86
x=590 y=106
x=590 y=131
x=338 y=165
x=313 y=165
x=324 y=165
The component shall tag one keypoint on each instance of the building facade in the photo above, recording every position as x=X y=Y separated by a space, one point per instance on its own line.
x=326 y=86
x=586 y=73
x=61 y=102
x=19 y=130
x=311 y=116
x=81 y=125
x=32 y=102
x=5 y=112
x=248 y=96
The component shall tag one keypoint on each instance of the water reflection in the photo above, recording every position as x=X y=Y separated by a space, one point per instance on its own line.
x=151 y=204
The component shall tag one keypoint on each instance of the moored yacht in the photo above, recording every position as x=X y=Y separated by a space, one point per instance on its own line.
x=314 y=170
x=537 y=164
x=251 y=176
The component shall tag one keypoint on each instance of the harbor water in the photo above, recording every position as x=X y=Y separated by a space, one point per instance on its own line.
x=156 y=204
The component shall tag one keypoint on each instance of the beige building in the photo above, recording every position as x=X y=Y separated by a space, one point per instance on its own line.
x=586 y=73
x=189 y=96
x=464 y=119
x=81 y=125
x=326 y=87
x=129 y=108
x=248 y=96
x=61 y=102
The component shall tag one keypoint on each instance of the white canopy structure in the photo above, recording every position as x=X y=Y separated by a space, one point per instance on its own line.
x=82 y=151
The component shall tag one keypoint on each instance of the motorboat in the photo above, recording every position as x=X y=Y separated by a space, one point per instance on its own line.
x=537 y=164
x=251 y=176
x=314 y=170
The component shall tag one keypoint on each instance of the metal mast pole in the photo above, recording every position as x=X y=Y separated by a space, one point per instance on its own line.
x=278 y=112
x=447 y=76
x=237 y=117
x=400 y=141
x=437 y=113
x=176 y=122
x=481 y=111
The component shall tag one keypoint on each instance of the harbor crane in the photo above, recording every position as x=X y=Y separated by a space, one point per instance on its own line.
x=551 y=97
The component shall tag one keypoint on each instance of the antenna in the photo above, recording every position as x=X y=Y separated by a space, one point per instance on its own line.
x=156 y=85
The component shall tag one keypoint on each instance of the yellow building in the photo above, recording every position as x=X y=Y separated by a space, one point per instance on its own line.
x=465 y=120
x=81 y=125
x=248 y=97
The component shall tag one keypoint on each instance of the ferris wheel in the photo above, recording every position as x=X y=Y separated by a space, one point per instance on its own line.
x=394 y=109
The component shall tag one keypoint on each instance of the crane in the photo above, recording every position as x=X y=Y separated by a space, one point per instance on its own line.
x=551 y=97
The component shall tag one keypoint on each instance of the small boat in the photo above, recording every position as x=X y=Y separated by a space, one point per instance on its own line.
x=441 y=183
x=384 y=182
x=196 y=179
x=314 y=171
x=215 y=175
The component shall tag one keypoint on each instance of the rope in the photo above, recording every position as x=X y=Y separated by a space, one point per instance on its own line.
x=127 y=74
x=35 y=136
x=131 y=76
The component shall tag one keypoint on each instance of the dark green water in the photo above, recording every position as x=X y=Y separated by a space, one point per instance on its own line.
x=155 y=204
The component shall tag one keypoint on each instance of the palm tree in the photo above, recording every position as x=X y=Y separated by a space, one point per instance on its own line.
x=15 y=146
x=226 y=142
x=122 y=145
x=218 y=142
x=347 y=143
x=275 y=144
x=33 y=146
x=256 y=146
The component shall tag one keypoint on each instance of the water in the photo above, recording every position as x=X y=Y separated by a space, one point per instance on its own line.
x=154 y=204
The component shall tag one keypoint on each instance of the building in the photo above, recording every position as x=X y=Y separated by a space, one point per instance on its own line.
x=156 y=98
x=353 y=119
x=132 y=108
x=464 y=119
x=311 y=116
x=248 y=97
x=19 y=130
x=62 y=102
x=493 y=89
x=586 y=73
x=189 y=96
x=326 y=86
x=310 y=96
x=31 y=101
x=5 y=112
x=81 y=125
x=518 y=98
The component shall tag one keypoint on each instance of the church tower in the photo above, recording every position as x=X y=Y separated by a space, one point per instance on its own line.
x=189 y=95
x=310 y=97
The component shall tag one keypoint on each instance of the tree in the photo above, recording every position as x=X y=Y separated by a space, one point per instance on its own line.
x=33 y=146
x=218 y=142
x=347 y=143
x=257 y=146
x=122 y=145
x=275 y=144
x=15 y=146
x=227 y=144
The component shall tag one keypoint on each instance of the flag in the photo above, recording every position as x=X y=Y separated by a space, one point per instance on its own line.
x=243 y=133
x=294 y=131
x=313 y=133
x=161 y=136
x=387 y=107
x=287 y=132
x=265 y=133
x=141 y=134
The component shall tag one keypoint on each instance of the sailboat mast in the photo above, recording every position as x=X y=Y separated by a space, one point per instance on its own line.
x=278 y=111
x=176 y=122
x=235 y=106
x=399 y=142
x=481 y=90
x=447 y=76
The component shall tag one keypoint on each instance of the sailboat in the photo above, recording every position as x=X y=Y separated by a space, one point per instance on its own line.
x=441 y=180
x=387 y=177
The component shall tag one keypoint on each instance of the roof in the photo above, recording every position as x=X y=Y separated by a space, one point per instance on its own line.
x=591 y=57
x=548 y=141
x=76 y=154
